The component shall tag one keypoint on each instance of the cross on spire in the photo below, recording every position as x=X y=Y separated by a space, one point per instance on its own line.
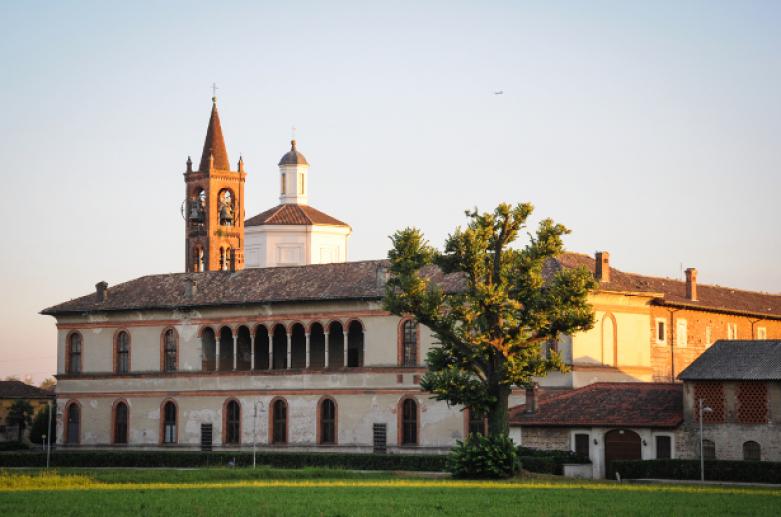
x=293 y=133
x=214 y=91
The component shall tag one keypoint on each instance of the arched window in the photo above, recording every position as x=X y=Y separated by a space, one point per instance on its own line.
x=476 y=422
x=752 y=451
x=708 y=450
x=208 y=350
x=74 y=354
x=355 y=344
x=279 y=422
x=232 y=423
x=169 y=422
x=409 y=340
x=226 y=206
x=123 y=353
x=169 y=351
x=120 y=422
x=327 y=421
x=223 y=260
x=73 y=429
x=409 y=422
x=198 y=259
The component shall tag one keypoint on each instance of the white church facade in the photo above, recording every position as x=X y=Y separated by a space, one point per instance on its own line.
x=273 y=337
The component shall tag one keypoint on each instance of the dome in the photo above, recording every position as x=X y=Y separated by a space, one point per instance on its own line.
x=293 y=157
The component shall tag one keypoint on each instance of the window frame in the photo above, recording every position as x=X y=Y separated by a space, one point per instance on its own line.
x=582 y=435
x=407 y=424
x=762 y=333
x=471 y=421
x=121 y=357
x=69 y=355
x=663 y=323
x=708 y=449
x=403 y=335
x=231 y=423
x=164 y=352
x=323 y=422
x=681 y=338
x=657 y=438
x=69 y=439
x=756 y=455
x=274 y=421
x=164 y=423
x=116 y=438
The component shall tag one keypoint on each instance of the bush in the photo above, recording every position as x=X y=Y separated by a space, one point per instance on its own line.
x=13 y=446
x=38 y=429
x=715 y=470
x=113 y=458
x=548 y=462
x=481 y=457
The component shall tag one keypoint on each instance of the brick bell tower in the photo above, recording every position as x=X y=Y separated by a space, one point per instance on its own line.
x=214 y=206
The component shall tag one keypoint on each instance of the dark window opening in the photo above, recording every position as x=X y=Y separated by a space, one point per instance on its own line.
x=120 y=423
x=409 y=423
x=232 y=424
x=663 y=448
x=328 y=421
x=169 y=423
x=410 y=342
x=279 y=418
x=582 y=444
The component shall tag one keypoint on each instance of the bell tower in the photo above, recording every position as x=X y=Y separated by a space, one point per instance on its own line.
x=214 y=206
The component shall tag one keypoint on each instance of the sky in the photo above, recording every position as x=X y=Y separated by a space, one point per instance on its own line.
x=650 y=129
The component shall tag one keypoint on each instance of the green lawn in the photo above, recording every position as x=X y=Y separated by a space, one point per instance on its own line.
x=328 y=492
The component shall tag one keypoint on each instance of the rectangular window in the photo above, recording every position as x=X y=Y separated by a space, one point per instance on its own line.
x=661 y=331
x=682 y=338
x=761 y=333
x=708 y=336
x=582 y=445
x=663 y=448
x=732 y=331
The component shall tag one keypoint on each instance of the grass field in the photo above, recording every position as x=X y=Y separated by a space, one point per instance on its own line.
x=266 y=491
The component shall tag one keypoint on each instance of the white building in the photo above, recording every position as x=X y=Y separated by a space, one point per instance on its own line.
x=294 y=233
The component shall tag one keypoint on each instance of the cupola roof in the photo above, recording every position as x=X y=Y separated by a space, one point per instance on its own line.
x=293 y=157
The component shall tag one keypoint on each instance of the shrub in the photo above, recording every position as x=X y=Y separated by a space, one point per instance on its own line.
x=548 y=461
x=38 y=429
x=715 y=470
x=480 y=457
x=13 y=446
x=114 y=458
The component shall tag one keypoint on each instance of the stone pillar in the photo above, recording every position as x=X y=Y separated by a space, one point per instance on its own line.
x=235 y=349
x=307 y=350
x=345 y=335
x=327 y=348
x=252 y=351
x=270 y=338
x=216 y=353
x=289 y=350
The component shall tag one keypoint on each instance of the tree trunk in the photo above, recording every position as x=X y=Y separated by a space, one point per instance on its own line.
x=498 y=416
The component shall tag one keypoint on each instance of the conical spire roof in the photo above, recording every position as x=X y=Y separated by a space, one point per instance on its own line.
x=214 y=143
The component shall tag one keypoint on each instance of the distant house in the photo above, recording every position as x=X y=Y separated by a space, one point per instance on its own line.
x=740 y=383
x=604 y=421
x=10 y=392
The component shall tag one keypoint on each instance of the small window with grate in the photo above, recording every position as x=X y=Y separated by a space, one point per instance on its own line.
x=663 y=447
x=582 y=445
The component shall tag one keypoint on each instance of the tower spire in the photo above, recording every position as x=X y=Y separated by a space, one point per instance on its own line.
x=214 y=143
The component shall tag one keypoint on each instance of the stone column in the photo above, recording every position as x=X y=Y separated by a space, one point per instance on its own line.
x=307 y=350
x=327 y=348
x=252 y=351
x=345 y=335
x=216 y=353
x=269 y=337
x=235 y=349
x=288 y=347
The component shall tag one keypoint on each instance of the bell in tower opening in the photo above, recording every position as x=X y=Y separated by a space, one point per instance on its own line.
x=226 y=208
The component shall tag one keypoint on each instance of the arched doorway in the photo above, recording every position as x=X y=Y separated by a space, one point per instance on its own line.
x=621 y=444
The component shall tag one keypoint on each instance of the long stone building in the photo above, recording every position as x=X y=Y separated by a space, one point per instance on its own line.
x=295 y=350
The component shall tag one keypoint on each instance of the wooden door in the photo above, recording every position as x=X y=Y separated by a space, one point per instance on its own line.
x=621 y=444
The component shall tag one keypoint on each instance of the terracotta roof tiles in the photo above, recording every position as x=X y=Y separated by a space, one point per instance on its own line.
x=214 y=144
x=293 y=214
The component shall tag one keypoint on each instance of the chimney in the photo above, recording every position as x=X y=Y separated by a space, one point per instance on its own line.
x=101 y=291
x=382 y=275
x=190 y=287
x=691 y=284
x=602 y=272
x=531 y=398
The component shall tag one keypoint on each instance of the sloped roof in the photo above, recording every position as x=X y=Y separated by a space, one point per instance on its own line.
x=319 y=282
x=606 y=404
x=758 y=360
x=214 y=144
x=674 y=291
x=20 y=390
x=293 y=214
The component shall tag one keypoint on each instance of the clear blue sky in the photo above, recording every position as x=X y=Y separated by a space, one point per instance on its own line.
x=649 y=128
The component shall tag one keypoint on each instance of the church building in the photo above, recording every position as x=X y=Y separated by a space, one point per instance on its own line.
x=271 y=335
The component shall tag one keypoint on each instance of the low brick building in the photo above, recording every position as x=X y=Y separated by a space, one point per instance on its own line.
x=740 y=383
x=604 y=421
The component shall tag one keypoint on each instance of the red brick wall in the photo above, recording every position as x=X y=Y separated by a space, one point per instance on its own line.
x=697 y=321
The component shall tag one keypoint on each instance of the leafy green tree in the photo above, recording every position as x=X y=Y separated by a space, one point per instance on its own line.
x=38 y=429
x=490 y=331
x=20 y=414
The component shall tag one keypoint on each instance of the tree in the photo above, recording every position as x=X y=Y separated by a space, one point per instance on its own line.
x=38 y=428
x=490 y=330
x=20 y=414
x=48 y=383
